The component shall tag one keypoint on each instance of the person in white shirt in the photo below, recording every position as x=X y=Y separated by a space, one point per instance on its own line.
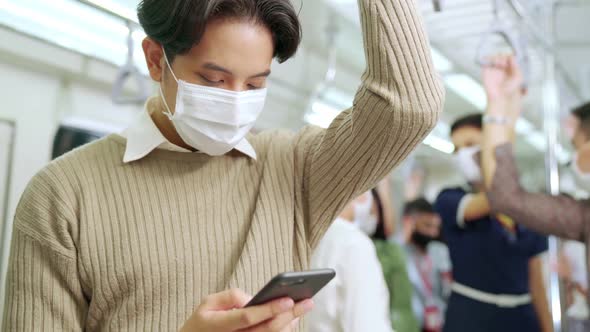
x=572 y=271
x=357 y=299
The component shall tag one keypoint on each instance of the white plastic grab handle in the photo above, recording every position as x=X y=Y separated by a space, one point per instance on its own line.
x=129 y=70
x=517 y=45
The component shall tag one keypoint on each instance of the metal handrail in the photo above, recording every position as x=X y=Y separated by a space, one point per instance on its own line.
x=546 y=45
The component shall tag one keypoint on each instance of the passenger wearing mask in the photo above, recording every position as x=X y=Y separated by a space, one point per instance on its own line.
x=175 y=223
x=561 y=215
x=394 y=265
x=356 y=300
x=497 y=265
x=428 y=273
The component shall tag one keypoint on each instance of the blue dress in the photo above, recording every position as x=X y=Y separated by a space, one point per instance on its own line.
x=490 y=258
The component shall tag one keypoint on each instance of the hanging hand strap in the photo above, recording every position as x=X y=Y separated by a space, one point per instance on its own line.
x=129 y=70
x=514 y=41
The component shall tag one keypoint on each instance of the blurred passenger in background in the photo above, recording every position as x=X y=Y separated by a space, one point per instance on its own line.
x=497 y=265
x=394 y=265
x=429 y=272
x=559 y=215
x=572 y=272
x=357 y=299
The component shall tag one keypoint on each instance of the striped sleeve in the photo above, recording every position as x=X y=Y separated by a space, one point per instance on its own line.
x=43 y=290
x=396 y=106
x=558 y=215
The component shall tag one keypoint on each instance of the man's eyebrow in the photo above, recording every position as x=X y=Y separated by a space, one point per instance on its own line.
x=215 y=67
x=212 y=66
x=263 y=74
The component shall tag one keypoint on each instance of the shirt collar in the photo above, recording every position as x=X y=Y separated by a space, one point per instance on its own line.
x=143 y=136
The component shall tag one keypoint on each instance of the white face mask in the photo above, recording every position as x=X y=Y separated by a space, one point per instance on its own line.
x=213 y=120
x=363 y=217
x=465 y=162
x=582 y=178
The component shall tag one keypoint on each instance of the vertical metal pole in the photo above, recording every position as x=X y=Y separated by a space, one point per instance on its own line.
x=551 y=127
x=6 y=221
x=5 y=228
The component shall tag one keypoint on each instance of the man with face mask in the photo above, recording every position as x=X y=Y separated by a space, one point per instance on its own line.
x=561 y=215
x=176 y=222
x=357 y=299
x=428 y=273
x=497 y=266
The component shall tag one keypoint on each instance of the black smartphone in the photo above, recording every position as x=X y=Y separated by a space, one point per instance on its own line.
x=298 y=286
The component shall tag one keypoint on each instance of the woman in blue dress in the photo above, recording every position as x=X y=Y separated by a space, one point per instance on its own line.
x=497 y=269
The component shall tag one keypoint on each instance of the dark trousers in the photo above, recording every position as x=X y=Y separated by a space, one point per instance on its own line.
x=467 y=315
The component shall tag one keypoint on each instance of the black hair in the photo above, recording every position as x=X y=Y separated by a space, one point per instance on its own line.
x=179 y=24
x=420 y=205
x=582 y=113
x=472 y=120
x=380 y=230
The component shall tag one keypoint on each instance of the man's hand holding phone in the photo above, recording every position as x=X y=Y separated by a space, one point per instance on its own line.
x=225 y=312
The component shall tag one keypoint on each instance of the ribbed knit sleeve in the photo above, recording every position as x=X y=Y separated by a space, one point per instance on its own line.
x=43 y=288
x=396 y=106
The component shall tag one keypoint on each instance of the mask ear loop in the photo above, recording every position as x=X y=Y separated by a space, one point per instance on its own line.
x=167 y=112
x=168 y=64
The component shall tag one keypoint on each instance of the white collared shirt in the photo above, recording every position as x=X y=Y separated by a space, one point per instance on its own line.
x=357 y=299
x=143 y=136
x=575 y=253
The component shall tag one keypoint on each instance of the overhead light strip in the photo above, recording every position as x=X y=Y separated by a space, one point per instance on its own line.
x=114 y=9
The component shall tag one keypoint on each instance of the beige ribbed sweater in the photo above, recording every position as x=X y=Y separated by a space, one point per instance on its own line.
x=103 y=245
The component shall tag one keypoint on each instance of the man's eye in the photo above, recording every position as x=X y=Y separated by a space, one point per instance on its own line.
x=211 y=81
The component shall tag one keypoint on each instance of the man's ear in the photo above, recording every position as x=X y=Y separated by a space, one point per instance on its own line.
x=570 y=125
x=408 y=227
x=408 y=223
x=153 y=57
